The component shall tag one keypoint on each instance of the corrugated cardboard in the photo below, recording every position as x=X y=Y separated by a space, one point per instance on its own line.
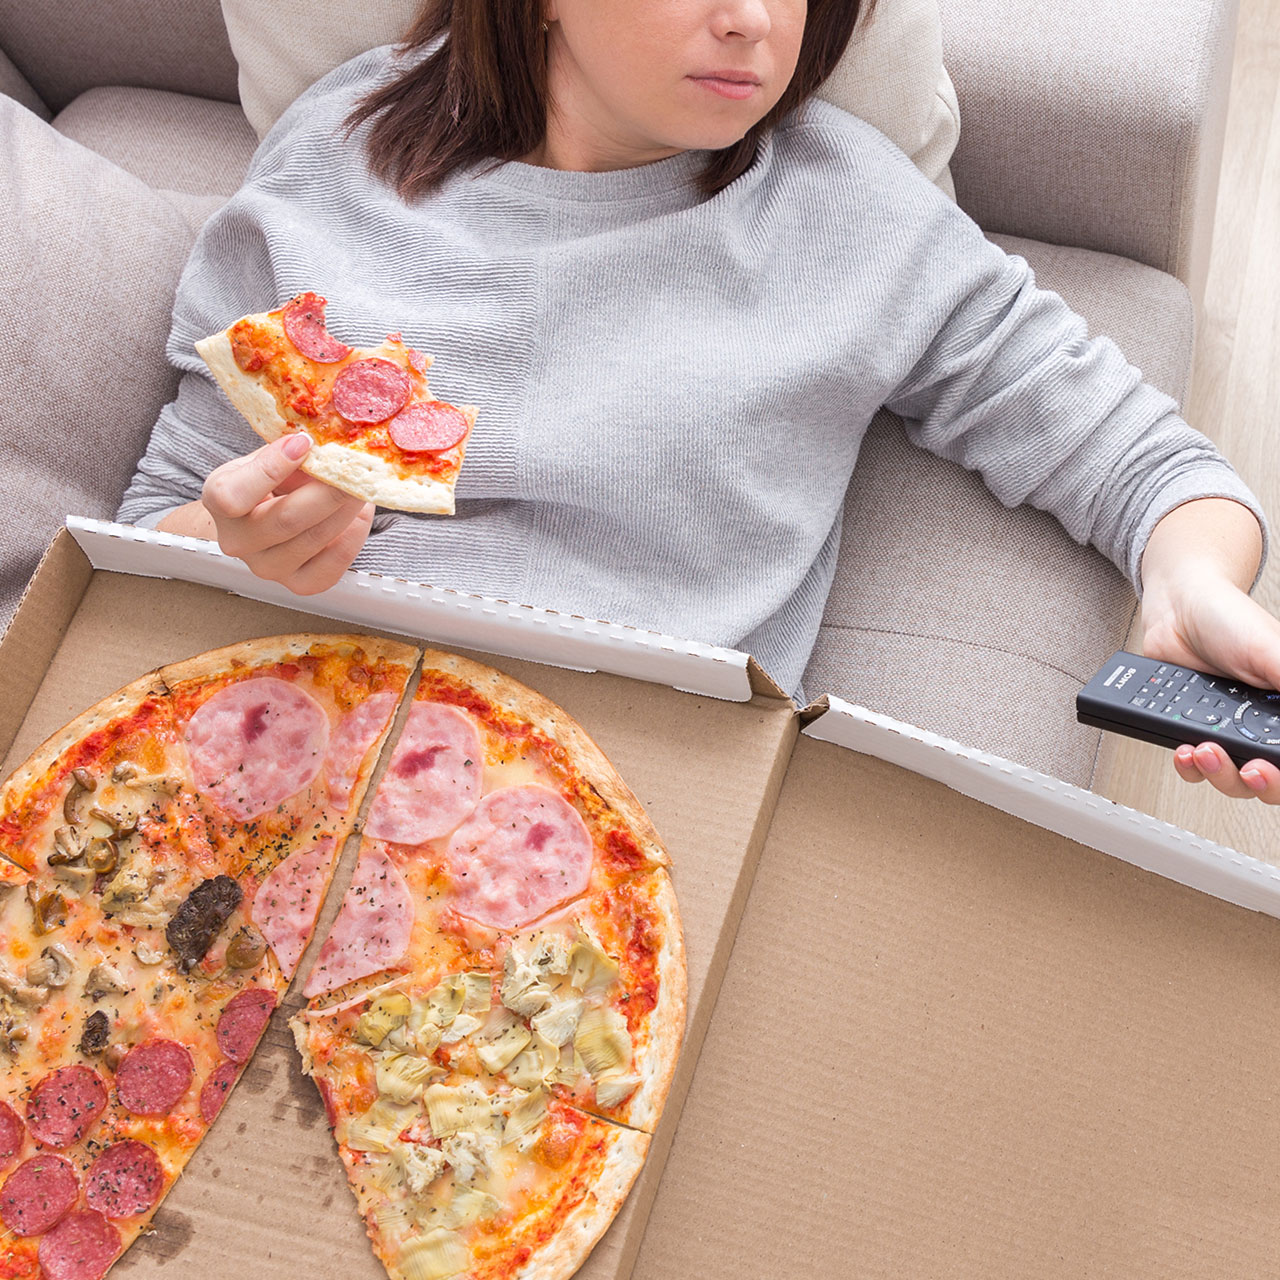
x=265 y=1192
x=954 y=1039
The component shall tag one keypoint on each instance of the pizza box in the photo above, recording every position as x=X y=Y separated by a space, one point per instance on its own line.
x=265 y=1192
x=948 y=1017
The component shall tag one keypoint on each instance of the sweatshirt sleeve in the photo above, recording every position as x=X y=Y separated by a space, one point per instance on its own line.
x=1013 y=387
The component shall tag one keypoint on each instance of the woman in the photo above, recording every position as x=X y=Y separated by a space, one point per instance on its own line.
x=679 y=291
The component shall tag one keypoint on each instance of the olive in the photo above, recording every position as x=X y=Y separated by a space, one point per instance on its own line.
x=246 y=949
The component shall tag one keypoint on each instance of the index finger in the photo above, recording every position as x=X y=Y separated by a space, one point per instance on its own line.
x=236 y=488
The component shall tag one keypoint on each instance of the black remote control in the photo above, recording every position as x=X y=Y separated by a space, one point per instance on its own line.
x=1166 y=704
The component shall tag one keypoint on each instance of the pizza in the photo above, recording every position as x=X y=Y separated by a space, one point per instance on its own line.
x=379 y=433
x=494 y=1016
x=497 y=1010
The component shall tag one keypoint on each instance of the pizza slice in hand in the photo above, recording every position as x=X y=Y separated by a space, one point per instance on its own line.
x=379 y=432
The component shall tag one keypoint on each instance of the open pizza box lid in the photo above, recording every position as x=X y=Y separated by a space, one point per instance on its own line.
x=968 y=1020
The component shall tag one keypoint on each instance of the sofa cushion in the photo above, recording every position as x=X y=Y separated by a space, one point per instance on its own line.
x=89 y=258
x=67 y=47
x=954 y=613
x=172 y=141
x=892 y=75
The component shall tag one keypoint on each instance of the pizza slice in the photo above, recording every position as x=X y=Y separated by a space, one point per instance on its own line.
x=455 y=1171
x=379 y=433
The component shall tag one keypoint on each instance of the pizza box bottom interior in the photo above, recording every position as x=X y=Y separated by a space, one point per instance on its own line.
x=926 y=1037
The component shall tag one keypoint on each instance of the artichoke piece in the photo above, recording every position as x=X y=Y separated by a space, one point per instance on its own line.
x=612 y=1089
x=525 y=1116
x=380 y=1127
x=523 y=990
x=395 y=1219
x=460 y=1028
x=477 y=992
x=385 y=1174
x=558 y=1019
x=438 y=1255
x=402 y=1076
x=603 y=1041
x=469 y=1205
x=445 y=1000
x=590 y=969
x=381 y=1017
x=420 y=1164
x=534 y=1065
x=569 y=1069
x=496 y=1054
x=470 y=1154
x=453 y=1108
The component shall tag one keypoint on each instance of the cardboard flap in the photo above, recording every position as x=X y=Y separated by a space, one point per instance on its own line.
x=1056 y=806
x=446 y=617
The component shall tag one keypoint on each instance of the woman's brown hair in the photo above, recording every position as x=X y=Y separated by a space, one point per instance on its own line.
x=482 y=95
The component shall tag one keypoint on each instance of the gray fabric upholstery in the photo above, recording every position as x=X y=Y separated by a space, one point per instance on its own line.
x=89 y=257
x=16 y=86
x=941 y=592
x=1096 y=123
x=64 y=47
x=170 y=140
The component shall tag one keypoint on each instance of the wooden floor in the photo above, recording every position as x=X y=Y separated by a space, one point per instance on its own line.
x=1235 y=396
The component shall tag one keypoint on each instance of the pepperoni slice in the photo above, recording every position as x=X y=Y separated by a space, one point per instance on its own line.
x=11 y=1134
x=125 y=1179
x=215 y=1090
x=153 y=1076
x=81 y=1247
x=428 y=427
x=243 y=1020
x=255 y=744
x=37 y=1193
x=64 y=1104
x=524 y=851
x=371 y=390
x=433 y=779
x=303 y=322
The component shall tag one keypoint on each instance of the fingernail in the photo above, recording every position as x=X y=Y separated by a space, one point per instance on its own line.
x=1208 y=762
x=1185 y=755
x=1254 y=778
x=296 y=444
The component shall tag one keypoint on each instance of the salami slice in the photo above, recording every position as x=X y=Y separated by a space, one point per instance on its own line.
x=64 y=1104
x=125 y=1179
x=429 y=427
x=37 y=1193
x=372 y=929
x=215 y=1090
x=433 y=780
x=153 y=1076
x=287 y=902
x=255 y=744
x=524 y=851
x=371 y=390
x=81 y=1247
x=303 y=321
x=351 y=740
x=243 y=1021
x=11 y=1134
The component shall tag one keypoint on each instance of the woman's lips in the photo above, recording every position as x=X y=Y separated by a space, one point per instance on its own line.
x=728 y=85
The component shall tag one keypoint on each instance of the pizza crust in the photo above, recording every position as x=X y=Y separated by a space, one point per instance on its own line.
x=576 y=1236
x=363 y=475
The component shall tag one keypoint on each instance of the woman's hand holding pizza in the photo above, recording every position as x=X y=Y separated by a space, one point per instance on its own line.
x=285 y=525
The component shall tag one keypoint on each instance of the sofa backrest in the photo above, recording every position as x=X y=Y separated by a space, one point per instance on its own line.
x=67 y=47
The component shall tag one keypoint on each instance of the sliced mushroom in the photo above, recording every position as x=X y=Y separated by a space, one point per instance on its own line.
x=102 y=981
x=93 y=1040
x=48 y=911
x=122 y=818
x=53 y=969
x=15 y=991
x=83 y=784
x=148 y=953
x=246 y=949
x=79 y=880
x=101 y=856
x=125 y=772
x=68 y=846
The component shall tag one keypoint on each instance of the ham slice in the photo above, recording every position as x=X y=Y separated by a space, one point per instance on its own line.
x=255 y=744
x=373 y=926
x=288 y=900
x=433 y=780
x=351 y=740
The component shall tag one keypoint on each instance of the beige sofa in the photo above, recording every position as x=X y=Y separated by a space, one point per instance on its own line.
x=1090 y=143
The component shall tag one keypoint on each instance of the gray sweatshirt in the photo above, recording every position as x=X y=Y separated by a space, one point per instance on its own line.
x=673 y=390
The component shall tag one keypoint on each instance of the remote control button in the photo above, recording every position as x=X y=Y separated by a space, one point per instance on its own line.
x=1138 y=702
x=1259 y=724
x=1162 y=669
